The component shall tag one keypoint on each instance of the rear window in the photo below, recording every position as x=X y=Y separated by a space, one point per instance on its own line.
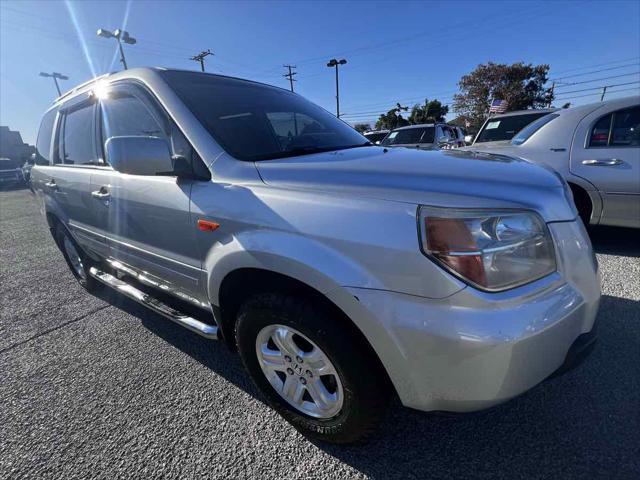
x=526 y=133
x=43 y=144
x=410 y=135
x=505 y=128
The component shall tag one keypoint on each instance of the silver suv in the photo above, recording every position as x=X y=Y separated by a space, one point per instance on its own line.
x=343 y=273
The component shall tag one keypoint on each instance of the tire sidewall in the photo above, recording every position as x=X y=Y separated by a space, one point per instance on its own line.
x=322 y=330
x=88 y=282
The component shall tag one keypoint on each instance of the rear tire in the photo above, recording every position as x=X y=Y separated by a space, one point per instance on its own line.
x=78 y=262
x=326 y=381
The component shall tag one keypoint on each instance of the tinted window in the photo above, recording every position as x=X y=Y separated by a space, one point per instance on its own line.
x=410 y=135
x=600 y=132
x=77 y=147
x=505 y=128
x=123 y=114
x=43 y=144
x=254 y=122
x=524 y=134
x=626 y=128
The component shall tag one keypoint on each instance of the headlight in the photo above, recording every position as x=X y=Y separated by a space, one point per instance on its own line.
x=492 y=250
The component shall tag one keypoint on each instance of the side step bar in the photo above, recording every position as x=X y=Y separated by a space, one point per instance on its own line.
x=196 y=326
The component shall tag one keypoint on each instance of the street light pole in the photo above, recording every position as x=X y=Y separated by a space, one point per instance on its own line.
x=55 y=76
x=120 y=36
x=336 y=63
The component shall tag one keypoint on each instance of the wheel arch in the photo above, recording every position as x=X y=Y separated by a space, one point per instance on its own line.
x=242 y=283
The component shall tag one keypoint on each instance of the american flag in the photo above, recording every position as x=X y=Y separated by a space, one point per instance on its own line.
x=498 y=106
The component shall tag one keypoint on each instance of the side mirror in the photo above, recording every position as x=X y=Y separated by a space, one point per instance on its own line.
x=139 y=155
x=32 y=159
x=468 y=139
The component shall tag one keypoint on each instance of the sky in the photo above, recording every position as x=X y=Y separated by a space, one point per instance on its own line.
x=396 y=51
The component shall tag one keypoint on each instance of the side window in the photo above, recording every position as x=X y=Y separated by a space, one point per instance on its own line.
x=625 y=131
x=600 y=132
x=43 y=144
x=77 y=134
x=126 y=114
x=130 y=111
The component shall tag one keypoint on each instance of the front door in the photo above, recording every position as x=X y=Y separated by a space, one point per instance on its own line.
x=606 y=152
x=148 y=217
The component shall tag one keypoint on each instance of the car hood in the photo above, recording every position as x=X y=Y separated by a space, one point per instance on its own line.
x=445 y=178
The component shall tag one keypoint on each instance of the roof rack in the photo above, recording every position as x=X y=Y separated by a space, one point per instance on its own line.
x=82 y=85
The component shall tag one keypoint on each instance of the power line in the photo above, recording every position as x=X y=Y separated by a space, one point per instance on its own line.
x=597 y=65
x=598 y=93
x=290 y=75
x=594 y=71
x=598 y=88
x=598 y=79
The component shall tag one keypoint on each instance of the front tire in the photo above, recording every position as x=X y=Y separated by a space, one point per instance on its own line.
x=314 y=370
x=76 y=259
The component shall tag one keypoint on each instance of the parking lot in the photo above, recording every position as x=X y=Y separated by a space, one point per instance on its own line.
x=100 y=387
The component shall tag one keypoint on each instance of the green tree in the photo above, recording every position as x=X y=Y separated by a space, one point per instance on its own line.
x=362 y=127
x=431 y=111
x=392 y=119
x=520 y=85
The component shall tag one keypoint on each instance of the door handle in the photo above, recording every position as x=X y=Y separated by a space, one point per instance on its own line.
x=51 y=184
x=102 y=194
x=602 y=163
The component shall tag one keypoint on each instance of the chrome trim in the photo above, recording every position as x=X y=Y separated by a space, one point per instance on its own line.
x=190 y=323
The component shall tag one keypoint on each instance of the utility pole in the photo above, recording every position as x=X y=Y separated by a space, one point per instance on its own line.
x=200 y=57
x=120 y=36
x=336 y=63
x=56 y=76
x=604 y=91
x=290 y=75
x=553 y=87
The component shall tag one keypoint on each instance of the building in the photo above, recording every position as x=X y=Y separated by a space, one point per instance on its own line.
x=12 y=146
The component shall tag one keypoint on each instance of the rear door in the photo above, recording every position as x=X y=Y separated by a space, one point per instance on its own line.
x=149 y=223
x=68 y=180
x=606 y=152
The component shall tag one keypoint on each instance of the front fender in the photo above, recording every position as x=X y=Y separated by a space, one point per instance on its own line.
x=296 y=256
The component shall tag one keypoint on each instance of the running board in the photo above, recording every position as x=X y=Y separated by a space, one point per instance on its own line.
x=196 y=326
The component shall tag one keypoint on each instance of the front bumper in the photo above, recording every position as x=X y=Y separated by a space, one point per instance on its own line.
x=474 y=349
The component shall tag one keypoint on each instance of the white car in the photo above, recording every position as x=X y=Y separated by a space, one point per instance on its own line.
x=596 y=148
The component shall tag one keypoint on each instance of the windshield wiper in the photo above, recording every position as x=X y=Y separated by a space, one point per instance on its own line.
x=294 y=152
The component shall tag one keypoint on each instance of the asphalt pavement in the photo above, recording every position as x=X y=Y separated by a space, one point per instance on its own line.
x=99 y=387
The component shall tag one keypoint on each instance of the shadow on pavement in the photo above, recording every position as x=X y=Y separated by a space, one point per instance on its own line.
x=584 y=424
x=616 y=240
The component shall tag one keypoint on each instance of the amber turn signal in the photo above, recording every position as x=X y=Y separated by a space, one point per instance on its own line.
x=207 y=226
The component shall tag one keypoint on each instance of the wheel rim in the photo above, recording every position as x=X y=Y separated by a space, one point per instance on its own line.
x=299 y=371
x=74 y=258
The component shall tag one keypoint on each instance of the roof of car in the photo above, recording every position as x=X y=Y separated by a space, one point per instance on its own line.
x=420 y=125
x=529 y=111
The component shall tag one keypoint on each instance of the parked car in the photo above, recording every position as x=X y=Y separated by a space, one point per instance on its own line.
x=376 y=136
x=460 y=136
x=343 y=273
x=427 y=136
x=10 y=172
x=596 y=148
x=503 y=127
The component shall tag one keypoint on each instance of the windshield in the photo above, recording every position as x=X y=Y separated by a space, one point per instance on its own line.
x=524 y=134
x=410 y=135
x=504 y=128
x=252 y=121
x=375 y=136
